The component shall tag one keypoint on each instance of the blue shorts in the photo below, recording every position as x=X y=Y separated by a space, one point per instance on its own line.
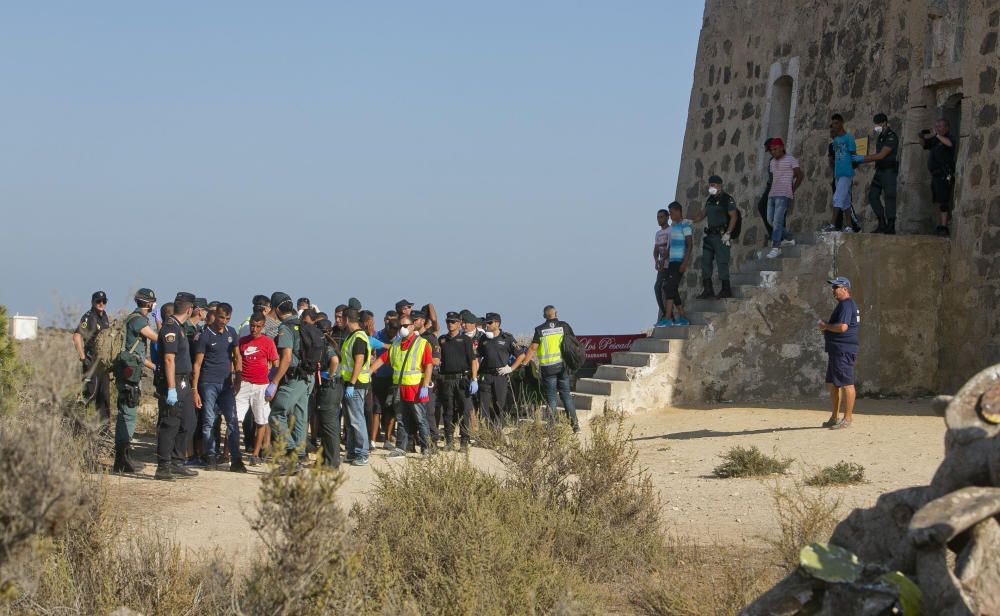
x=842 y=193
x=840 y=368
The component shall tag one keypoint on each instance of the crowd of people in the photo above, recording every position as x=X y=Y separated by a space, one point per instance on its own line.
x=673 y=243
x=292 y=377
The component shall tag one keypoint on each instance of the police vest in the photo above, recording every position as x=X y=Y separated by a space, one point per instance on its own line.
x=347 y=358
x=411 y=373
x=550 y=346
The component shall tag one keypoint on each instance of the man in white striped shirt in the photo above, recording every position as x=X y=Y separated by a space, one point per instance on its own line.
x=787 y=176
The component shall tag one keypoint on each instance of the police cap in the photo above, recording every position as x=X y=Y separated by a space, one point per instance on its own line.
x=402 y=303
x=417 y=314
x=185 y=297
x=324 y=325
x=98 y=296
x=145 y=295
x=492 y=316
x=200 y=302
x=452 y=316
x=280 y=297
x=716 y=179
x=354 y=303
x=468 y=317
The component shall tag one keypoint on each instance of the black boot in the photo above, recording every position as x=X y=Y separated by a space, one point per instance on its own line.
x=121 y=464
x=163 y=472
x=708 y=292
x=136 y=466
x=179 y=470
x=725 y=292
x=890 y=226
x=881 y=228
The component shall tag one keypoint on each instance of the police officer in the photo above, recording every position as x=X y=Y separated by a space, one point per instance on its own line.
x=138 y=335
x=289 y=388
x=329 y=395
x=496 y=350
x=96 y=381
x=886 y=159
x=547 y=343
x=174 y=393
x=720 y=210
x=457 y=381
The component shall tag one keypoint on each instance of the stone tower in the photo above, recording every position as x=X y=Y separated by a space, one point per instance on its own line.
x=782 y=67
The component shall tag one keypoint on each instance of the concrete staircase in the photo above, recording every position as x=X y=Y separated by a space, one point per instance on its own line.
x=646 y=375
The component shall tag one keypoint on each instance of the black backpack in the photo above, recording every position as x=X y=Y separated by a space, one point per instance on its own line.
x=312 y=344
x=573 y=353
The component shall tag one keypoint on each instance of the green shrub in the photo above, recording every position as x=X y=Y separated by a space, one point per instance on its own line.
x=841 y=473
x=804 y=516
x=749 y=462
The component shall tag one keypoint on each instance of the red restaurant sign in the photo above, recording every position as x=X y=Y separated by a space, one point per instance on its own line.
x=600 y=348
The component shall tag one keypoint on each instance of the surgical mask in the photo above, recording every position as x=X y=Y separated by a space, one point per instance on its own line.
x=404 y=332
x=489 y=335
x=878 y=129
x=712 y=190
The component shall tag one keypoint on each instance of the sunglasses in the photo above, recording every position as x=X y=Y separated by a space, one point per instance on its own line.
x=488 y=322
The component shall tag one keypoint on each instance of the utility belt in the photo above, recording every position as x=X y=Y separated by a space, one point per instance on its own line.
x=890 y=166
x=716 y=230
x=454 y=376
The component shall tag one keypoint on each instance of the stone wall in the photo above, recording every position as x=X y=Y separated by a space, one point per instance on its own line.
x=768 y=345
x=784 y=66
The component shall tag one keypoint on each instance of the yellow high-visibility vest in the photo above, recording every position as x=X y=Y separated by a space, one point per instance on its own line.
x=550 y=346
x=347 y=358
x=411 y=373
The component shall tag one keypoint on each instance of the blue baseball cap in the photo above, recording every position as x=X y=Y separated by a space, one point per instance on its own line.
x=839 y=281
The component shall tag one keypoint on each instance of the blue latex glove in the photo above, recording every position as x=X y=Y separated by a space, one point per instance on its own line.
x=473 y=387
x=172 y=396
x=349 y=391
x=424 y=392
x=269 y=391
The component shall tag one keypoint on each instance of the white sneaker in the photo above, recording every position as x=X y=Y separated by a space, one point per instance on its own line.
x=787 y=242
x=827 y=228
x=762 y=253
x=774 y=252
x=848 y=230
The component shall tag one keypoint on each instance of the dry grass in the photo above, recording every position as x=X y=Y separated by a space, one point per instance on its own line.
x=840 y=474
x=749 y=462
x=804 y=515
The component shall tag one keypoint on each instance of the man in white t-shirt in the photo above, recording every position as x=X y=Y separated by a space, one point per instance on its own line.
x=673 y=250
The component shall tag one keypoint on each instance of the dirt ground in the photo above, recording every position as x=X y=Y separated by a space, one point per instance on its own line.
x=899 y=442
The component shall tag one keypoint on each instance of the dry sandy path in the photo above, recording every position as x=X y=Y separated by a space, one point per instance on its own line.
x=899 y=442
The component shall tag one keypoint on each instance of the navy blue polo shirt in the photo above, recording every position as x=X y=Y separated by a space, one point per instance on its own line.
x=847 y=342
x=217 y=347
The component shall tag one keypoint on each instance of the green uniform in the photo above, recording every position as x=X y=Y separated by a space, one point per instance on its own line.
x=291 y=401
x=128 y=395
x=717 y=209
x=328 y=403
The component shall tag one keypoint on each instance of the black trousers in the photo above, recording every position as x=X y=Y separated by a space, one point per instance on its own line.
x=175 y=424
x=456 y=403
x=493 y=397
x=328 y=401
x=98 y=390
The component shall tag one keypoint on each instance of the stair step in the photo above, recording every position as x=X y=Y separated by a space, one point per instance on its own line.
x=761 y=265
x=632 y=358
x=701 y=318
x=602 y=387
x=676 y=332
x=611 y=372
x=650 y=345
x=709 y=305
x=588 y=403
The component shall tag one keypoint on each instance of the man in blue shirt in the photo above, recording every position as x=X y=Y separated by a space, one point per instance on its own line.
x=841 y=336
x=842 y=160
x=216 y=359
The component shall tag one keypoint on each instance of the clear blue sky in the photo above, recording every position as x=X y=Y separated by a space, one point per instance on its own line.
x=495 y=156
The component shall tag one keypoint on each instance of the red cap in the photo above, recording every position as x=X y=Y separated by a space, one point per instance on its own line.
x=776 y=141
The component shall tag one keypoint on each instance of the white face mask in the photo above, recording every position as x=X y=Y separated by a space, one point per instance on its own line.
x=404 y=332
x=712 y=190
x=878 y=129
x=489 y=335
